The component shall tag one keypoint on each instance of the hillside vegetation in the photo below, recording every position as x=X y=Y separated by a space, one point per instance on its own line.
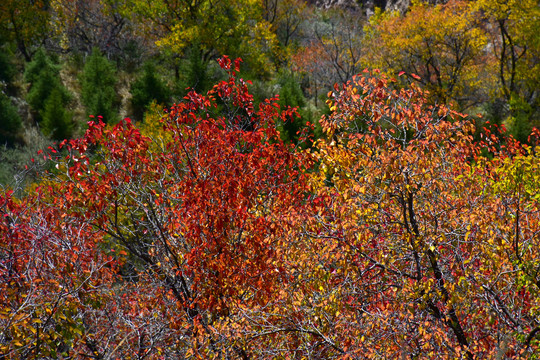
x=269 y=180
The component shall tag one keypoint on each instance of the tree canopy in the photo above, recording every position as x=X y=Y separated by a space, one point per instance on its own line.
x=207 y=236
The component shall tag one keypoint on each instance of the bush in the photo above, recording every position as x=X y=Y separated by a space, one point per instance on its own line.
x=17 y=170
x=98 y=82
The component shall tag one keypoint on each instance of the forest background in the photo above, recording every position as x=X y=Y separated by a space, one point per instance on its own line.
x=316 y=193
x=62 y=61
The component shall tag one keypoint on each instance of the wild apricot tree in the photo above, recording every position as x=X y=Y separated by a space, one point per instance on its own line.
x=427 y=246
x=205 y=236
x=51 y=276
x=186 y=225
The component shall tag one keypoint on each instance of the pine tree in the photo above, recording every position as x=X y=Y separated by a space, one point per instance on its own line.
x=10 y=122
x=198 y=77
x=291 y=95
x=98 y=82
x=7 y=70
x=147 y=88
x=40 y=63
x=57 y=121
x=44 y=79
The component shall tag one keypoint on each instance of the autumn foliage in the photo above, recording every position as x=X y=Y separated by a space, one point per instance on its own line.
x=430 y=248
x=204 y=236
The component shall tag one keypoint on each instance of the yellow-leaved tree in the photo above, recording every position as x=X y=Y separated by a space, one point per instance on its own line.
x=423 y=248
x=443 y=45
x=515 y=44
x=236 y=28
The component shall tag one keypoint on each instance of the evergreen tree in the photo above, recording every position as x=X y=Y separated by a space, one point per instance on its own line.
x=39 y=64
x=98 y=82
x=7 y=70
x=521 y=115
x=10 y=122
x=147 y=88
x=291 y=95
x=198 y=77
x=57 y=121
x=44 y=78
